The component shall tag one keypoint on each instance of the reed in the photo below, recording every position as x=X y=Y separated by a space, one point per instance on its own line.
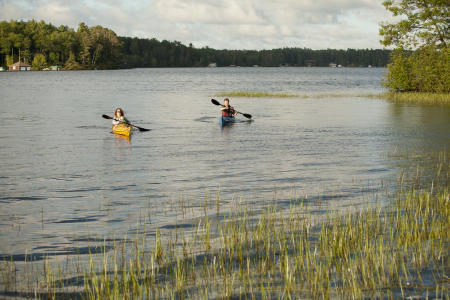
x=279 y=252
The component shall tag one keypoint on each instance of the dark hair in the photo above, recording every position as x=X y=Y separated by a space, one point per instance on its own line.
x=119 y=110
x=226 y=99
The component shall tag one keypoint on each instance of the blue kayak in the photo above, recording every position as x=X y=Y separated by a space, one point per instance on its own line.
x=226 y=120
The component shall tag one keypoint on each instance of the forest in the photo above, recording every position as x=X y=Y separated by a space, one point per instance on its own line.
x=42 y=45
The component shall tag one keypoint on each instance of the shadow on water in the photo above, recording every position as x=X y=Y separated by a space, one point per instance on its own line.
x=36 y=295
x=63 y=252
x=216 y=119
x=205 y=119
x=93 y=127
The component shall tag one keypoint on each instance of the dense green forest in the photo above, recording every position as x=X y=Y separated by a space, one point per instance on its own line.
x=44 y=45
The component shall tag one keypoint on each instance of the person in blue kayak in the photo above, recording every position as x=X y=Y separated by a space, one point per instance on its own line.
x=119 y=117
x=228 y=110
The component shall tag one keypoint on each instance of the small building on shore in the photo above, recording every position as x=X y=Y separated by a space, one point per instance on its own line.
x=56 y=68
x=20 y=66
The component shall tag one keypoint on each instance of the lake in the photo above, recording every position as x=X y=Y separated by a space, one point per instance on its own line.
x=66 y=179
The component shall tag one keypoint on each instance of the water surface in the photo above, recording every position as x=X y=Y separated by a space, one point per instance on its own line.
x=66 y=178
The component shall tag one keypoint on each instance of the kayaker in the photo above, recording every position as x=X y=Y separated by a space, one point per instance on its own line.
x=227 y=110
x=119 y=117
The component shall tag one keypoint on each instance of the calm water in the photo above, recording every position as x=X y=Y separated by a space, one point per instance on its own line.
x=65 y=177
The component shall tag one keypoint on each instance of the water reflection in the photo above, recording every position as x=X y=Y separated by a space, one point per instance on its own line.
x=226 y=128
x=122 y=138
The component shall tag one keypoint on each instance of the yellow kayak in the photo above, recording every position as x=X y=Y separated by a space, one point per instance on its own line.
x=122 y=129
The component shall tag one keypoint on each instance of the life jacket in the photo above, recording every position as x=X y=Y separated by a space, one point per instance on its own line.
x=120 y=120
x=228 y=112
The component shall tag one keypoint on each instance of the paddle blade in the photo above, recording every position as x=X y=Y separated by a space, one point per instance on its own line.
x=215 y=102
x=248 y=116
x=107 y=117
x=143 y=129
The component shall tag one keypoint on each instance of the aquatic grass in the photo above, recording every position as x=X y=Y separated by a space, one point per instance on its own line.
x=279 y=252
x=400 y=97
x=419 y=98
x=243 y=94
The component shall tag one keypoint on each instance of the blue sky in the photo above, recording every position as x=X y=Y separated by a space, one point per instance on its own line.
x=230 y=24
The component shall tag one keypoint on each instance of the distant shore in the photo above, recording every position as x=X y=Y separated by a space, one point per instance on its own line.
x=199 y=67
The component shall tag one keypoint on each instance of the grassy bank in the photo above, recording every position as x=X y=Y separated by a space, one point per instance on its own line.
x=282 y=252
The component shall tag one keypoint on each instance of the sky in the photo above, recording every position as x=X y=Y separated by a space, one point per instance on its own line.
x=220 y=24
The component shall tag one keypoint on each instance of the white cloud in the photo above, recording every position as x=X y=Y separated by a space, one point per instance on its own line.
x=57 y=12
x=9 y=11
x=232 y=24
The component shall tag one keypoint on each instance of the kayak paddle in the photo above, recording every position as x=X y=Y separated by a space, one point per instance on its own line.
x=140 y=128
x=215 y=102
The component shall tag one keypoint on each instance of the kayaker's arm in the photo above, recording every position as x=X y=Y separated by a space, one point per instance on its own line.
x=124 y=121
x=233 y=111
x=111 y=118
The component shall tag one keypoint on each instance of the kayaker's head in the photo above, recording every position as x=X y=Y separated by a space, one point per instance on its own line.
x=119 y=113
x=226 y=101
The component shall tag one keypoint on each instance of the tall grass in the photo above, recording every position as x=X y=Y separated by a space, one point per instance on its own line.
x=280 y=253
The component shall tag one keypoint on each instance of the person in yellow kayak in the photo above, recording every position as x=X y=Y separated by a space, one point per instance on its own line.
x=228 y=110
x=119 y=117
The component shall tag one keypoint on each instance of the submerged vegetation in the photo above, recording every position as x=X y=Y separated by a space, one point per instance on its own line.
x=279 y=252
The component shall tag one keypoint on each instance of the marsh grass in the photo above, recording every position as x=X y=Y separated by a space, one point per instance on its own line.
x=279 y=253
x=300 y=96
x=401 y=97
x=421 y=98
x=256 y=95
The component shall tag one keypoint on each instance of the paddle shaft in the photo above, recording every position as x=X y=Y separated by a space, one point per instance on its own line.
x=215 y=102
x=111 y=118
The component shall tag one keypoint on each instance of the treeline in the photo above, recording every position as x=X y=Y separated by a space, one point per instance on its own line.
x=152 y=53
x=43 y=45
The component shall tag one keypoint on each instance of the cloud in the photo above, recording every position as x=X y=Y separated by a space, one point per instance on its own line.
x=231 y=24
x=58 y=11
